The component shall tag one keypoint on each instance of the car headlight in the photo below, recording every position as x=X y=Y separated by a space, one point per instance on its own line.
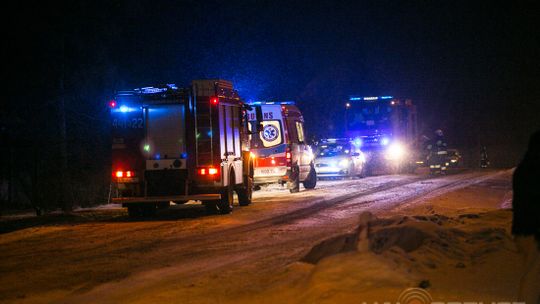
x=395 y=151
x=344 y=163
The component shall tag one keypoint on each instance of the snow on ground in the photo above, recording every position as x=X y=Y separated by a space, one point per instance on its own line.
x=457 y=246
x=447 y=234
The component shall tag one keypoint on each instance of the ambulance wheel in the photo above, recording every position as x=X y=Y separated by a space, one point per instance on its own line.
x=225 y=205
x=311 y=179
x=294 y=180
x=363 y=172
x=245 y=193
x=367 y=170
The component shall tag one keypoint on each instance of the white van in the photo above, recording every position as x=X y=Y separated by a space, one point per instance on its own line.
x=281 y=152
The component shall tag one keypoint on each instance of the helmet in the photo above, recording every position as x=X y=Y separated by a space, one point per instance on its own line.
x=439 y=132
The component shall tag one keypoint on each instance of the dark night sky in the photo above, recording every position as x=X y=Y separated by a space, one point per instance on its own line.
x=473 y=69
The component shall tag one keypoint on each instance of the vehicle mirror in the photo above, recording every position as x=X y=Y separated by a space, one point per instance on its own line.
x=258 y=115
x=260 y=127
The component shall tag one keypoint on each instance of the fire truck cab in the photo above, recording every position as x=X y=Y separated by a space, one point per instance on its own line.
x=281 y=152
x=173 y=144
x=385 y=128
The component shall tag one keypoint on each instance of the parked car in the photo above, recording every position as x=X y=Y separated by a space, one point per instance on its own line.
x=339 y=158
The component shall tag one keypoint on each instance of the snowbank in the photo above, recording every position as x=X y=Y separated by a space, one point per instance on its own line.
x=466 y=257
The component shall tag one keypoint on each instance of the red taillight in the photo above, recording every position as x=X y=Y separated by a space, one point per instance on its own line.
x=120 y=174
x=288 y=157
x=112 y=103
x=214 y=100
x=208 y=171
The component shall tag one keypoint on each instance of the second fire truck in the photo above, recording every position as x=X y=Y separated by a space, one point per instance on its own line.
x=386 y=130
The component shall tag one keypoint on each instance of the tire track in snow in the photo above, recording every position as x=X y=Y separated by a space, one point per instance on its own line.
x=249 y=244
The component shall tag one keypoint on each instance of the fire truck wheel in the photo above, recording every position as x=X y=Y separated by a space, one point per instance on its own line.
x=294 y=180
x=225 y=205
x=149 y=210
x=211 y=207
x=134 y=211
x=142 y=211
x=245 y=193
x=311 y=180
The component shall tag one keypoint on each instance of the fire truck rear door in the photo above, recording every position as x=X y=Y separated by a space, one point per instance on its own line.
x=165 y=137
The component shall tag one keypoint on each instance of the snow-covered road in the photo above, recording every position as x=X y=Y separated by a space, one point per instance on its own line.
x=185 y=256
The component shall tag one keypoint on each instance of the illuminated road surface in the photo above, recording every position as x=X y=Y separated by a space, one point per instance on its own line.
x=116 y=259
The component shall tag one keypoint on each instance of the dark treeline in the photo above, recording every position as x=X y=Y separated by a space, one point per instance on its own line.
x=55 y=142
x=472 y=69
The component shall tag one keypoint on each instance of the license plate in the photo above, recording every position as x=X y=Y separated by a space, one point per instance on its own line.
x=267 y=171
x=127 y=180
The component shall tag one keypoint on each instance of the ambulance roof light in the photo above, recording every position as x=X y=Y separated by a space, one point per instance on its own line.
x=369 y=98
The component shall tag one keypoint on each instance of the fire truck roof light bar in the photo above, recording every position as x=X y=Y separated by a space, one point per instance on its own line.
x=149 y=90
x=369 y=98
x=257 y=103
x=153 y=90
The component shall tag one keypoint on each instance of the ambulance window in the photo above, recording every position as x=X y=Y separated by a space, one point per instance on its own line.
x=300 y=131
x=291 y=131
x=271 y=134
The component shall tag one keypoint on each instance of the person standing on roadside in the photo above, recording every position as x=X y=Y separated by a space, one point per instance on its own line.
x=526 y=219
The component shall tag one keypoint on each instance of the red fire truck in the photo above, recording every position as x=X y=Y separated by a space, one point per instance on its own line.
x=173 y=144
x=281 y=152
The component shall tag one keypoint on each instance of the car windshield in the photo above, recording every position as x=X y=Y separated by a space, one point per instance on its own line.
x=333 y=149
x=369 y=116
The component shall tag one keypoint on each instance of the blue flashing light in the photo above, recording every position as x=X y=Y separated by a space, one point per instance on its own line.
x=124 y=109
x=370 y=98
x=183 y=155
x=158 y=156
x=151 y=90
x=385 y=141
x=358 y=142
x=209 y=133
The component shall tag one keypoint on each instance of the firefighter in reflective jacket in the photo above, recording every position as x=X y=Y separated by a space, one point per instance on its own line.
x=437 y=151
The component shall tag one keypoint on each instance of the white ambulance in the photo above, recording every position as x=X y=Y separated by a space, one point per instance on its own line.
x=281 y=152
